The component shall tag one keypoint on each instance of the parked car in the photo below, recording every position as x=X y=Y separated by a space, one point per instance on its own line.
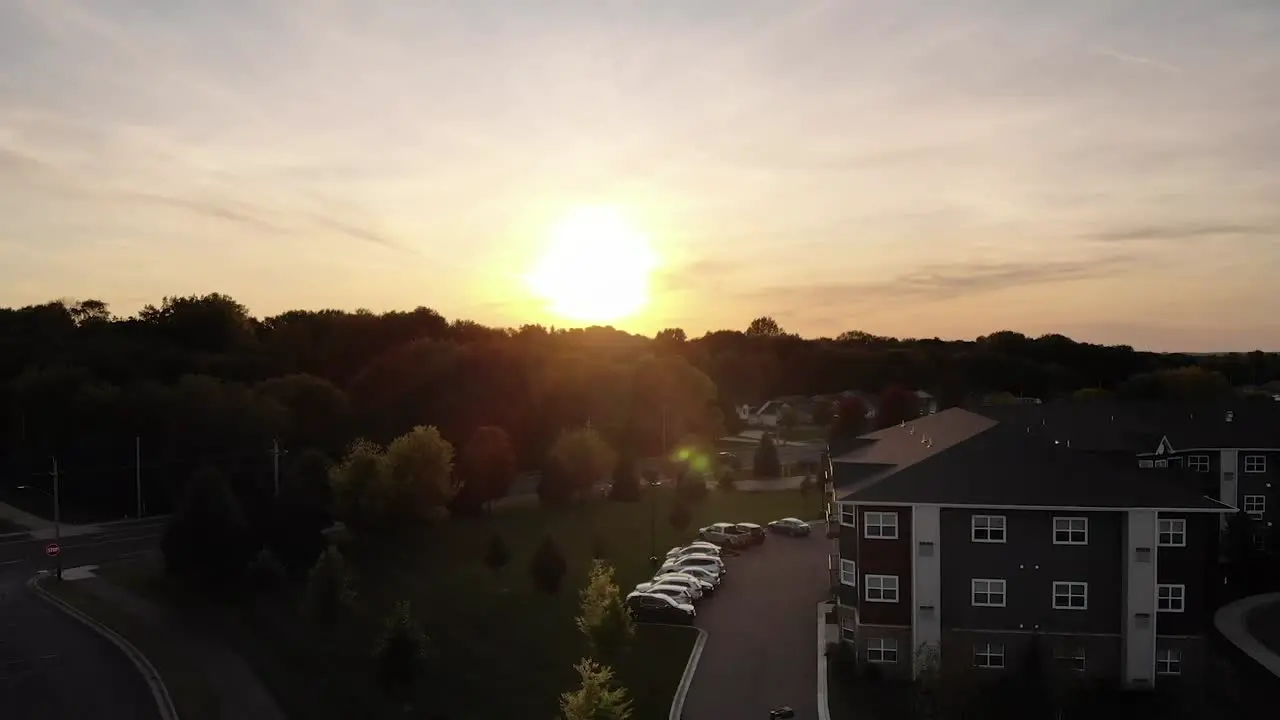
x=646 y=607
x=790 y=526
x=722 y=534
x=688 y=561
x=675 y=592
x=694 y=548
x=754 y=533
x=706 y=574
x=696 y=586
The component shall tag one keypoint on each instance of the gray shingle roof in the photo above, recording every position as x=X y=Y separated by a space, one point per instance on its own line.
x=972 y=459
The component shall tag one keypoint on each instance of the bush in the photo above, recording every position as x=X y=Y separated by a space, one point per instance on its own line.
x=548 y=566
x=329 y=592
x=766 y=462
x=679 y=517
x=727 y=481
x=496 y=555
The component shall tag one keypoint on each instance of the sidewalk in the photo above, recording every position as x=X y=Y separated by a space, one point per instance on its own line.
x=40 y=528
x=1232 y=621
x=239 y=693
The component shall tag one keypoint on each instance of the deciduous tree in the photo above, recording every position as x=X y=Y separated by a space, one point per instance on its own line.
x=583 y=458
x=897 y=405
x=330 y=593
x=208 y=539
x=485 y=470
x=419 y=467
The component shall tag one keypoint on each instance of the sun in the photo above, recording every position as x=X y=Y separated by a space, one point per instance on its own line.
x=596 y=267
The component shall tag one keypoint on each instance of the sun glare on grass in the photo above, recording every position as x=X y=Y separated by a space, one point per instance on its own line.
x=595 y=269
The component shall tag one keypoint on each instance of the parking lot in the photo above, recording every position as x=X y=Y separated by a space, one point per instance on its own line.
x=761 y=649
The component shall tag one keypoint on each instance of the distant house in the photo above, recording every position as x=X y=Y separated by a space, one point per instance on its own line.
x=767 y=415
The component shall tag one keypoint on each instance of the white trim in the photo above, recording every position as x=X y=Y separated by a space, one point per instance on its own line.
x=882 y=589
x=842 y=508
x=1065 y=508
x=887 y=645
x=1180 y=596
x=1221 y=449
x=851 y=571
x=1192 y=463
x=990 y=592
x=1143 y=463
x=1259 y=504
x=987 y=652
x=990 y=528
x=1164 y=447
x=1259 y=467
x=1069 y=594
x=1077 y=654
x=880 y=525
x=1070 y=530
x=1171 y=659
x=1177 y=532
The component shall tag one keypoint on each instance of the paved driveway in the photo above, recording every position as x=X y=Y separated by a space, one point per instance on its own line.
x=761 y=647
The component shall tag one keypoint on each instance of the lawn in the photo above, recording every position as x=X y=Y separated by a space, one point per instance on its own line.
x=498 y=648
x=8 y=526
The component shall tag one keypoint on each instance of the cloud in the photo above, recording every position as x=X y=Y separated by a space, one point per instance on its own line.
x=358 y=232
x=1137 y=60
x=944 y=282
x=219 y=210
x=1188 y=231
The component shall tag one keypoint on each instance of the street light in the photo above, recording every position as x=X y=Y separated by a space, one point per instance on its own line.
x=653 y=482
x=57 y=514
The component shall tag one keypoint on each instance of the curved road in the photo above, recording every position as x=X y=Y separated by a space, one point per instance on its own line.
x=52 y=667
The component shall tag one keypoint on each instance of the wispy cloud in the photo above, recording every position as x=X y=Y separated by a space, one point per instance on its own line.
x=1185 y=231
x=1137 y=60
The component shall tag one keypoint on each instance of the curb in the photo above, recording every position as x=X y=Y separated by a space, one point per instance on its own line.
x=824 y=709
x=682 y=690
x=164 y=704
x=1232 y=622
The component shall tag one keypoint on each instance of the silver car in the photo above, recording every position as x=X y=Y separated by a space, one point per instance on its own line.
x=675 y=592
x=688 y=561
x=706 y=574
x=690 y=584
x=694 y=548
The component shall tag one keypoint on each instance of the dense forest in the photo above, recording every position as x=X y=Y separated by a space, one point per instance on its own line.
x=197 y=382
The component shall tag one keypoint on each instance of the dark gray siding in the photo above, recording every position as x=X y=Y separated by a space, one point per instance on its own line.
x=1029 y=563
x=1192 y=566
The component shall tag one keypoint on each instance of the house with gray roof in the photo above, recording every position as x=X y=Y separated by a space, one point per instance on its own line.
x=973 y=539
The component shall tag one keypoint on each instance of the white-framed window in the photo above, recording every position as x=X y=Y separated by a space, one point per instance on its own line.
x=1255 y=505
x=1168 y=662
x=1070 y=531
x=987 y=592
x=1068 y=595
x=1259 y=541
x=1172 y=533
x=882 y=650
x=987 y=529
x=1171 y=598
x=1198 y=463
x=848 y=573
x=1146 y=463
x=1071 y=658
x=988 y=655
x=1255 y=463
x=882 y=588
x=1162 y=463
x=880 y=525
x=848 y=629
x=848 y=514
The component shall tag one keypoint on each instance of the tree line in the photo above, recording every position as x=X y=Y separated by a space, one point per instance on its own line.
x=197 y=382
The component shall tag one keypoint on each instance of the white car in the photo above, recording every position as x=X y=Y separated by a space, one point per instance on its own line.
x=696 y=548
x=675 y=592
x=708 y=575
x=723 y=534
x=690 y=584
x=687 y=561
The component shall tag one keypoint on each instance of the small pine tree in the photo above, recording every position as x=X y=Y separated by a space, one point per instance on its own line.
x=604 y=619
x=679 y=517
x=596 y=698
x=400 y=654
x=329 y=592
x=766 y=462
x=496 y=555
x=548 y=566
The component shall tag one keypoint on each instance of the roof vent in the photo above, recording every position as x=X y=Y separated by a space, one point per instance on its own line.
x=912 y=430
x=1230 y=416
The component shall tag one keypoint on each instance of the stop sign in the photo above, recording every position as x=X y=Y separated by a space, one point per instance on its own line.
x=52 y=549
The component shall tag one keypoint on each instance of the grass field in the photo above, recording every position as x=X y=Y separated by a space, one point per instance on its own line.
x=7 y=527
x=498 y=648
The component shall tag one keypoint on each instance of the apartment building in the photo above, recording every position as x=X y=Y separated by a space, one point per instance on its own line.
x=963 y=534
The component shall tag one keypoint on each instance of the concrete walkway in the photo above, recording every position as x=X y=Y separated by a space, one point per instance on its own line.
x=1232 y=621
x=39 y=527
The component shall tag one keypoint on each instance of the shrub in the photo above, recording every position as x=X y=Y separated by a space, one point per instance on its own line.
x=727 y=481
x=548 y=566
x=679 y=517
x=329 y=593
x=400 y=654
x=496 y=555
x=766 y=463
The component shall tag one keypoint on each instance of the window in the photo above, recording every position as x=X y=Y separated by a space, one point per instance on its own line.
x=1168 y=662
x=882 y=588
x=1198 y=463
x=987 y=528
x=1070 y=596
x=1255 y=463
x=883 y=525
x=1069 y=658
x=987 y=593
x=848 y=573
x=1173 y=533
x=988 y=655
x=848 y=629
x=848 y=515
x=1171 y=598
x=1162 y=463
x=1259 y=541
x=882 y=650
x=1255 y=505
x=1070 y=531
x=1145 y=464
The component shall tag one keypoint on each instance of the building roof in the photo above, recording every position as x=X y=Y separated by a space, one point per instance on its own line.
x=959 y=457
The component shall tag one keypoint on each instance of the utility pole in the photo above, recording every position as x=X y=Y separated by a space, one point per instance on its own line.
x=57 y=519
x=664 y=431
x=137 y=464
x=275 y=465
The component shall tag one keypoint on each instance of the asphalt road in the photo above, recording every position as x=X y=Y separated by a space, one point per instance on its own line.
x=52 y=667
x=761 y=650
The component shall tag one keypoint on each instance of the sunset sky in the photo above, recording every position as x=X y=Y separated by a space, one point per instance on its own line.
x=1108 y=170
